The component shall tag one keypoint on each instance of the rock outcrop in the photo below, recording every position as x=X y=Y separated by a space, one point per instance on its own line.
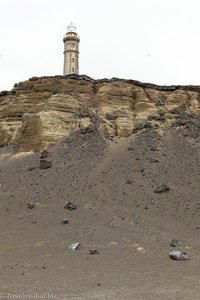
x=47 y=109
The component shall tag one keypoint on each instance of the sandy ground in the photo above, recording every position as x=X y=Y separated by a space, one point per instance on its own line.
x=112 y=183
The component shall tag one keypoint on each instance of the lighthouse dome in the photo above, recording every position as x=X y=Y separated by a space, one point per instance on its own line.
x=71 y=28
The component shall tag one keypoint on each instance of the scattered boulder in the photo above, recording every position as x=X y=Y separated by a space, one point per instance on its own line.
x=175 y=243
x=87 y=129
x=141 y=249
x=130 y=148
x=3 y=145
x=147 y=125
x=129 y=181
x=30 y=205
x=162 y=189
x=74 y=246
x=70 y=206
x=153 y=160
x=44 y=154
x=178 y=255
x=45 y=164
x=64 y=221
x=160 y=118
x=93 y=251
x=32 y=168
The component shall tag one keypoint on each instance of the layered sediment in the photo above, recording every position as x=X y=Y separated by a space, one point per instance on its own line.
x=47 y=109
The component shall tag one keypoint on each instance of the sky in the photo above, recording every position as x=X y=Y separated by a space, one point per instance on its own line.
x=156 y=41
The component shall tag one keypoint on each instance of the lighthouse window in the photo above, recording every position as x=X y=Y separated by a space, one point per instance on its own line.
x=72 y=70
x=72 y=59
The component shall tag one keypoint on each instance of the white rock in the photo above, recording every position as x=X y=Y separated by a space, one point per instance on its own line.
x=178 y=255
x=74 y=246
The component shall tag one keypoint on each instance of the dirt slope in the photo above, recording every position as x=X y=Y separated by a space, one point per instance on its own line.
x=113 y=184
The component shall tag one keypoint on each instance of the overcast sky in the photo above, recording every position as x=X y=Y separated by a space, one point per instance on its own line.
x=155 y=41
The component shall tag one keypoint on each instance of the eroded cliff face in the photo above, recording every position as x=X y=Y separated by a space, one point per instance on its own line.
x=50 y=108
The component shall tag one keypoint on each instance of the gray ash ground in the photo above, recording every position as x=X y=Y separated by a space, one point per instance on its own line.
x=112 y=184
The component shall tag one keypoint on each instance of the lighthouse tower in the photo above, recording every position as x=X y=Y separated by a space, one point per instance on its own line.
x=71 y=42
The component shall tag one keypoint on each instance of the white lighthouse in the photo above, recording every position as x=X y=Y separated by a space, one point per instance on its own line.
x=71 y=51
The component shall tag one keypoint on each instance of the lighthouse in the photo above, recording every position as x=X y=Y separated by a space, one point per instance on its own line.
x=71 y=51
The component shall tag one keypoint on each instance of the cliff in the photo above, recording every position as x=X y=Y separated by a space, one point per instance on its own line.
x=47 y=109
